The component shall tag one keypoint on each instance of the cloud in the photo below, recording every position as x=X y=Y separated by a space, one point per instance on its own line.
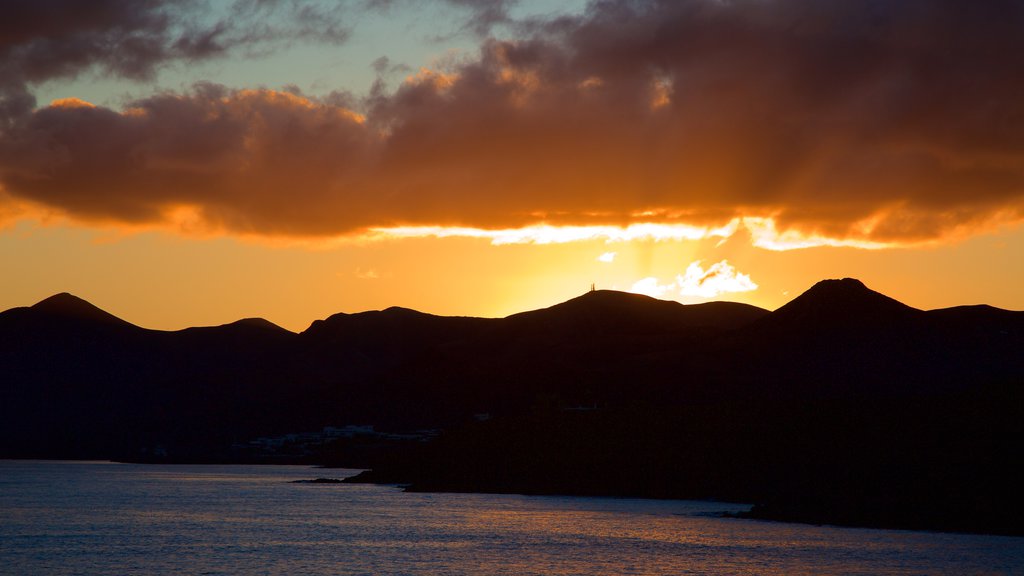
x=651 y=287
x=856 y=123
x=548 y=234
x=480 y=16
x=607 y=257
x=486 y=14
x=41 y=41
x=719 y=278
x=248 y=161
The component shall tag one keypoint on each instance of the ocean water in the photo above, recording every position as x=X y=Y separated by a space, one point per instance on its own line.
x=103 y=518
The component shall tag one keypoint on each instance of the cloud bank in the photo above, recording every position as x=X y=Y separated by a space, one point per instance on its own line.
x=851 y=122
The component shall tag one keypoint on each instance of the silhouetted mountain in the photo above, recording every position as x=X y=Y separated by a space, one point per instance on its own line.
x=844 y=405
x=611 y=311
x=391 y=334
x=978 y=321
x=70 y=307
x=834 y=305
x=80 y=382
x=258 y=324
x=839 y=338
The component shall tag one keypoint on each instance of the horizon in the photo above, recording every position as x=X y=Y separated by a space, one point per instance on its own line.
x=192 y=164
x=583 y=294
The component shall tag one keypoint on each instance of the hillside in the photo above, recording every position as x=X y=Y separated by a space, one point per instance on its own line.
x=844 y=405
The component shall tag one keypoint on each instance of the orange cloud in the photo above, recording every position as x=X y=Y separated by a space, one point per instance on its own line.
x=71 y=103
x=812 y=123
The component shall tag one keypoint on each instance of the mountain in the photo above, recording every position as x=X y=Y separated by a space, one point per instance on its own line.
x=402 y=367
x=80 y=382
x=257 y=324
x=832 y=305
x=611 y=311
x=72 y=308
x=388 y=336
x=844 y=405
x=83 y=383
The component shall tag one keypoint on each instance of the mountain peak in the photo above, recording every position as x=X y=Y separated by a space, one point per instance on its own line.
x=400 y=310
x=61 y=300
x=70 y=306
x=609 y=302
x=601 y=298
x=258 y=323
x=841 y=285
x=846 y=292
x=841 y=302
x=611 y=311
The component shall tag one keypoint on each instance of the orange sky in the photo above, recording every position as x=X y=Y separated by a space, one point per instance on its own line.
x=689 y=150
x=163 y=280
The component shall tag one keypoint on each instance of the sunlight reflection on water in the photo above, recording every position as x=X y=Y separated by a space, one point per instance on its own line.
x=101 y=518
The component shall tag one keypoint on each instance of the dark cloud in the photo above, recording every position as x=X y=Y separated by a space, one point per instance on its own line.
x=45 y=39
x=485 y=14
x=384 y=66
x=253 y=161
x=879 y=120
x=481 y=15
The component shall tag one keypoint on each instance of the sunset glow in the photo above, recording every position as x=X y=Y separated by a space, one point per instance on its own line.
x=488 y=269
x=547 y=234
x=483 y=158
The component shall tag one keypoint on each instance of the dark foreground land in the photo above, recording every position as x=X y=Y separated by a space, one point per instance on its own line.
x=844 y=406
x=899 y=465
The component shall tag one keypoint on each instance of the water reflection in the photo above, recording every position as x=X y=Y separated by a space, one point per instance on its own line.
x=93 y=518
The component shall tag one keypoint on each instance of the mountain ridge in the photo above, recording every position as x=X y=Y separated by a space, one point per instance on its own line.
x=823 y=295
x=842 y=406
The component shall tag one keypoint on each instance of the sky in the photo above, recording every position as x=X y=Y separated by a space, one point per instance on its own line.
x=192 y=162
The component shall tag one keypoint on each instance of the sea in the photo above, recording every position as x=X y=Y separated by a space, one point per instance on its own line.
x=92 y=518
